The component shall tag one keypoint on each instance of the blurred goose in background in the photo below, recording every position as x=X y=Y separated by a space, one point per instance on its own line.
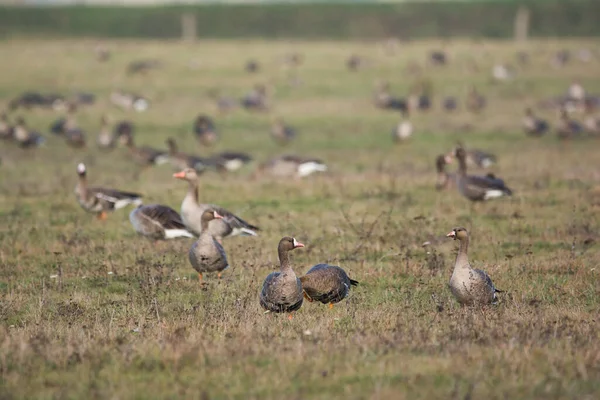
x=192 y=210
x=102 y=53
x=383 y=99
x=327 y=284
x=445 y=179
x=25 y=137
x=289 y=166
x=224 y=104
x=142 y=66
x=354 y=62
x=478 y=188
x=229 y=161
x=561 y=58
x=145 y=156
x=204 y=129
x=6 y=130
x=256 y=100
x=73 y=134
x=98 y=200
x=158 y=222
x=438 y=57
x=475 y=101
x=106 y=139
x=576 y=92
x=207 y=254
x=503 y=72
x=282 y=133
x=403 y=130
x=123 y=130
x=450 y=103
x=252 y=66
x=181 y=160
x=534 y=126
x=476 y=157
x=568 y=128
x=591 y=121
x=129 y=101
x=469 y=286
x=282 y=291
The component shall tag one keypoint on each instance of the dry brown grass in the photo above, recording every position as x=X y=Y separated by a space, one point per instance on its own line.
x=69 y=329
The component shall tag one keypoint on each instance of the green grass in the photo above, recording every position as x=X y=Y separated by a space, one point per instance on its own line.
x=69 y=329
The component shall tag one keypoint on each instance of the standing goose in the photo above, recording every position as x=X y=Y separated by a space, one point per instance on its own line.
x=99 y=200
x=469 y=286
x=207 y=254
x=181 y=160
x=534 y=126
x=158 y=222
x=478 y=188
x=282 y=291
x=204 y=129
x=444 y=178
x=25 y=137
x=192 y=211
x=326 y=283
x=105 y=140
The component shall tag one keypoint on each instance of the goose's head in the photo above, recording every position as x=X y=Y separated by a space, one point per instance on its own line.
x=458 y=234
x=81 y=170
x=209 y=215
x=188 y=174
x=289 y=243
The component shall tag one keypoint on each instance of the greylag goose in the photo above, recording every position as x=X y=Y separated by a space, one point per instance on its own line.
x=181 y=160
x=326 y=283
x=25 y=137
x=469 y=286
x=568 y=128
x=192 y=211
x=533 y=125
x=158 y=222
x=282 y=291
x=6 y=131
x=281 y=132
x=292 y=166
x=403 y=130
x=444 y=178
x=99 y=200
x=204 y=129
x=145 y=156
x=207 y=254
x=478 y=188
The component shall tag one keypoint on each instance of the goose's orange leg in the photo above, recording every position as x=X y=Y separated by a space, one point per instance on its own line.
x=330 y=306
x=102 y=216
x=291 y=316
x=200 y=278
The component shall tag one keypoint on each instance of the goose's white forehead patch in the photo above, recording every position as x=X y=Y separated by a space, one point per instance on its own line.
x=81 y=168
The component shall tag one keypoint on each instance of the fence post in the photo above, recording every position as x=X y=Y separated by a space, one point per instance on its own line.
x=522 y=24
x=188 y=27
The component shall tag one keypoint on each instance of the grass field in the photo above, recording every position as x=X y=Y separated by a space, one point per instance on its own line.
x=90 y=310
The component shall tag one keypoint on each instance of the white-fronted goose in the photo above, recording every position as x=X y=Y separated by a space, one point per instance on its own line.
x=403 y=130
x=478 y=188
x=205 y=131
x=281 y=132
x=6 y=131
x=568 y=128
x=445 y=179
x=158 y=222
x=26 y=138
x=534 y=126
x=99 y=200
x=207 y=254
x=229 y=161
x=469 y=286
x=181 y=160
x=292 y=166
x=282 y=291
x=192 y=210
x=145 y=156
x=326 y=283
x=477 y=158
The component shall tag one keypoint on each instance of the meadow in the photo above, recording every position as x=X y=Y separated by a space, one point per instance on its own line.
x=88 y=309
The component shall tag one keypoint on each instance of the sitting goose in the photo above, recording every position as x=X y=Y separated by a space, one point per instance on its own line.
x=282 y=133
x=478 y=188
x=192 y=211
x=326 y=283
x=282 y=291
x=568 y=128
x=26 y=138
x=158 y=222
x=207 y=254
x=403 y=130
x=469 y=286
x=145 y=156
x=475 y=101
x=533 y=125
x=204 y=129
x=292 y=166
x=100 y=200
x=384 y=99
x=256 y=99
x=229 y=161
x=181 y=160
x=476 y=157
x=69 y=129
x=6 y=131
x=444 y=179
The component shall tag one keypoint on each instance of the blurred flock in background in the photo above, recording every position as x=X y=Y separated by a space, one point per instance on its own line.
x=277 y=200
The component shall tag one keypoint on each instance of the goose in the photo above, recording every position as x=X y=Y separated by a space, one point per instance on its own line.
x=26 y=138
x=568 y=128
x=533 y=125
x=292 y=166
x=355 y=62
x=181 y=160
x=383 y=99
x=475 y=101
x=191 y=212
x=444 y=179
x=450 y=103
x=478 y=188
x=229 y=161
x=158 y=222
x=326 y=283
x=99 y=200
x=282 y=291
x=122 y=130
x=207 y=254
x=469 y=286
x=128 y=101
x=252 y=66
x=281 y=132
x=478 y=158
x=142 y=66
x=6 y=130
x=204 y=129
x=256 y=100
x=145 y=156
x=591 y=121
x=105 y=140
x=438 y=57
x=403 y=130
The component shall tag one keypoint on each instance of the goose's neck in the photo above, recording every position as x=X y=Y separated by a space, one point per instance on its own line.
x=462 y=259
x=284 y=260
x=204 y=225
x=82 y=186
x=462 y=166
x=192 y=193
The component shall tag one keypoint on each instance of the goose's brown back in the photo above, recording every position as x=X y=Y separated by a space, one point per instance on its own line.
x=326 y=283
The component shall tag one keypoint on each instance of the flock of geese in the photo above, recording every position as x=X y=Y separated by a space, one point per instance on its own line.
x=209 y=224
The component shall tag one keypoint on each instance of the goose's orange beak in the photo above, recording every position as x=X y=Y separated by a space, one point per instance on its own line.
x=451 y=234
x=179 y=175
